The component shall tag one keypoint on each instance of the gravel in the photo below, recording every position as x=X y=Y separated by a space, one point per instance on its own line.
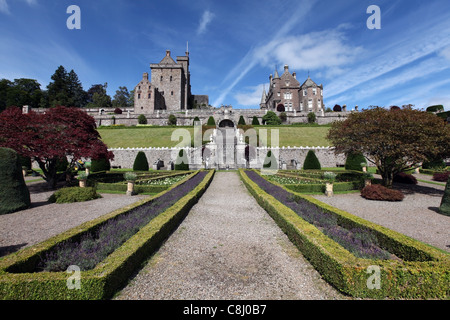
x=229 y=248
x=417 y=216
x=45 y=220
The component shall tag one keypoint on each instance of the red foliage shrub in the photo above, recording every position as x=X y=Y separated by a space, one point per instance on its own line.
x=405 y=178
x=441 y=176
x=380 y=193
x=118 y=111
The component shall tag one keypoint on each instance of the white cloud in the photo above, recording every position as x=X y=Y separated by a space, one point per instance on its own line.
x=4 y=7
x=445 y=53
x=206 y=19
x=252 y=96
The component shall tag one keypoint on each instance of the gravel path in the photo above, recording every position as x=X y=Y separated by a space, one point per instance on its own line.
x=45 y=220
x=229 y=248
x=417 y=216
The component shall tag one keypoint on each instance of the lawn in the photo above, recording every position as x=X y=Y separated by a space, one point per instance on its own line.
x=294 y=136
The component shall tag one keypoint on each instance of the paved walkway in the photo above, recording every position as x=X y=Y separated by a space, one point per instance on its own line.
x=228 y=247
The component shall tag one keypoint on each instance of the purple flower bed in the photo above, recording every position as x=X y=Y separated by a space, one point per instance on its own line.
x=361 y=242
x=96 y=246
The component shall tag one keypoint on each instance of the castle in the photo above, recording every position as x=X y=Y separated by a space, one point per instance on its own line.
x=286 y=94
x=169 y=88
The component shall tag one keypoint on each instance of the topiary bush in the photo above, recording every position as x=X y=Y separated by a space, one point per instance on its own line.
x=182 y=162
x=445 y=203
x=381 y=193
x=441 y=176
x=255 y=121
x=311 y=117
x=196 y=119
x=172 y=120
x=100 y=165
x=74 y=194
x=14 y=194
x=354 y=160
x=405 y=178
x=270 y=162
x=140 y=162
x=211 y=121
x=311 y=161
x=241 y=121
x=142 y=119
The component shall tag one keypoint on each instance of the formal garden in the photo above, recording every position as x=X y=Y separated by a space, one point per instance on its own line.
x=108 y=249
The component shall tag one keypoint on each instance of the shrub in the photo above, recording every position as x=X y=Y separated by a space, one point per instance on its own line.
x=182 y=162
x=445 y=203
x=211 y=121
x=101 y=164
x=140 y=162
x=283 y=117
x=354 y=161
x=311 y=161
x=142 y=119
x=255 y=121
x=14 y=194
x=271 y=118
x=381 y=193
x=435 y=108
x=405 y=178
x=118 y=111
x=172 y=120
x=337 y=108
x=311 y=117
x=62 y=164
x=24 y=161
x=74 y=194
x=270 y=162
x=434 y=164
x=241 y=121
x=281 y=108
x=441 y=176
x=130 y=176
x=196 y=119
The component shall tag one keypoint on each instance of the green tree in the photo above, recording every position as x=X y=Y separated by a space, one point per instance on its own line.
x=172 y=120
x=354 y=160
x=58 y=90
x=75 y=90
x=241 y=121
x=140 y=162
x=97 y=97
x=121 y=98
x=283 y=116
x=271 y=118
x=14 y=193
x=311 y=161
x=311 y=117
x=393 y=140
x=255 y=121
x=5 y=84
x=211 y=121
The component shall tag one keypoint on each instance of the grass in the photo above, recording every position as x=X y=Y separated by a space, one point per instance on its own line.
x=157 y=137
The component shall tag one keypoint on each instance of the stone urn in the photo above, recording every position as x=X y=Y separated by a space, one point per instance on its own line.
x=130 y=177
x=329 y=189
x=130 y=188
x=82 y=179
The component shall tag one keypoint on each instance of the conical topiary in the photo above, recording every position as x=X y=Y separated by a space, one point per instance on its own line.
x=211 y=121
x=445 y=203
x=255 y=121
x=182 y=161
x=241 y=121
x=14 y=194
x=270 y=162
x=354 y=161
x=140 y=163
x=311 y=161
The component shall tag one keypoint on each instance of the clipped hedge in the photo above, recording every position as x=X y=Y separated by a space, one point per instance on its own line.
x=74 y=194
x=137 y=188
x=423 y=271
x=18 y=283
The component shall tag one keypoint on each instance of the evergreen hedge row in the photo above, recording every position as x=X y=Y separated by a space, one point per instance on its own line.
x=18 y=282
x=137 y=188
x=423 y=271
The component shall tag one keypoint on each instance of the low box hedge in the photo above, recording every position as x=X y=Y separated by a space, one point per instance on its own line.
x=423 y=272
x=320 y=188
x=122 y=187
x=17 y=282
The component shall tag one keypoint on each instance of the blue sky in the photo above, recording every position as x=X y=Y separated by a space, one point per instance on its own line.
x=235 y=45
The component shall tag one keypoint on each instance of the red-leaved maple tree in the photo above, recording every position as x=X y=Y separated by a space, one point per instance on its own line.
x=48 y=138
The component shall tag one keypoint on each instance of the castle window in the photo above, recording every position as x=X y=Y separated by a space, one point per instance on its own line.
x=305 y=92
x=314 y=91
x=171 y=93
x=170 y=78
x=288 y=96
x=149 y=95
x=149 y=87
x=139 y=95
x=161 y=78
